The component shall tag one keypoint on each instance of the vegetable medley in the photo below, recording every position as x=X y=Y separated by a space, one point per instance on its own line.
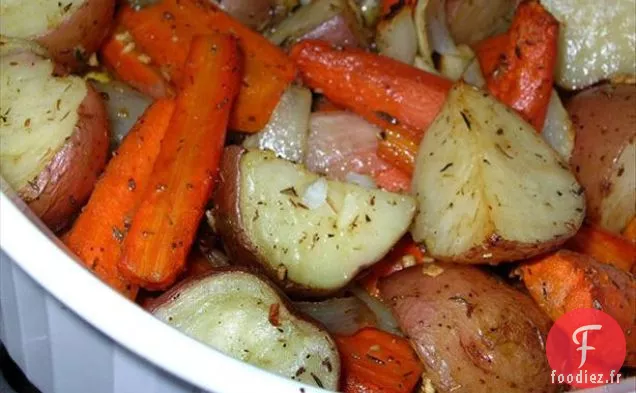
x=363 y=195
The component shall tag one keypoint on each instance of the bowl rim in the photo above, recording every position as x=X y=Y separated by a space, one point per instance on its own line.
x=192 y=363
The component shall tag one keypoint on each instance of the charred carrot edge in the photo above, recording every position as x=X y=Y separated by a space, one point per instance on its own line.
x=393 y=180
x=519 y=66
x=374 y=361
x=129 y=65
x=384 y=91
x=164 y=227
x=566 y=280
x=630 y=231
x=604 y=247
x=164 y=32
x=404 y=254
x=97 y=234
x=400 y=149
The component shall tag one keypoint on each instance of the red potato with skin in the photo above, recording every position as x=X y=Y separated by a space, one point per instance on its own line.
x=473 y=332
x=604 y=154
x=71 y=30
x=51 y=157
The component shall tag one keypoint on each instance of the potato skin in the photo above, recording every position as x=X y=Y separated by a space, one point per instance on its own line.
x=605 y=124
x=62 y=188
x=473 y=332
x=85 y=29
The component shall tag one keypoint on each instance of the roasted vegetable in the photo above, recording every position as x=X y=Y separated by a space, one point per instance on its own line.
x=246 y=317
x=489 y=189
x=605 y=247
x=596 y=42
x=71 y=30
x=471 y=21
x=309 y=234
x=54 y=133
x=473 y=332
x=605 y=152
x=566 y=280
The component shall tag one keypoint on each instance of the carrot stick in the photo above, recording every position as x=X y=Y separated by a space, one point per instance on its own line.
x=404 y=254
x=384 y=91
x=400 y=149
x=519 y=66
x=164 y=31
x=565 y=280
x=133 y=67
x=604 y=246
x=630 y=231
x=97 y=234
x=164 y=227
x=374 y=361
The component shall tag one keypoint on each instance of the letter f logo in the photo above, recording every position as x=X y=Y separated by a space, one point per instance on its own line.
x=584 y=347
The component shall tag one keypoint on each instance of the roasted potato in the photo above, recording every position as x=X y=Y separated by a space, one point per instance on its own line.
x=70 y=30
x=309 y=234
x=335 y=21
x=473 y=332
x=489 y=189
x=596 y=41
x=604 y=157
x=246 y=317
x=54 y=133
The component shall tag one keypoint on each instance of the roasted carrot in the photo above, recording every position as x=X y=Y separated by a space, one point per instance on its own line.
x=604 y=246
x=393 y=180
x=121 y=57
x=164 y=32
x=404 y=254
x=630 y=231
x=374 y=361
x=399 y=148
x=164 y=227
x=519 y=66
x=386 y=92
x=98 y=233
x=565 y=280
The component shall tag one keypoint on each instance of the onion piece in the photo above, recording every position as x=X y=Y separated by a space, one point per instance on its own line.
x=342 y=142
x=385 y=319
x=420 y=17
x=286 y=132
x=397 y=38
x=475 y=20
x=440 y=38
x=453 y=66
x=558 y=130
x=473 y=75
x=344 y=315
x=316 y=194
x=370 y=10
x=361 y=180
x=124 y=105
x=335 y=21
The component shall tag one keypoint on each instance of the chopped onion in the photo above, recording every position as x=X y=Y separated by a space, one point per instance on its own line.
x=286 y=132
x=473 y=74
x=441 y=40
x=339 y=315
x=341 y=142
x=425 y=59
x=124 y=106
x=558 y=131
x=397 y=38
x=361 y=180
x=453 y=66
x=472 y=21
x=370 y=10
x=316 y=194
x=385 y=319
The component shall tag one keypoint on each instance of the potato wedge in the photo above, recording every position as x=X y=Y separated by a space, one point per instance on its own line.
x=246 y=317
x=489 y=188
x=473 y=332
x=604 y=157
x=55 y=135
x=70 y=30
x=596 y=41
x=309 y=234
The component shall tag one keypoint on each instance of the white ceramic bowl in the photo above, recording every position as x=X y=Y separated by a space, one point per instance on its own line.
x=70 y=333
